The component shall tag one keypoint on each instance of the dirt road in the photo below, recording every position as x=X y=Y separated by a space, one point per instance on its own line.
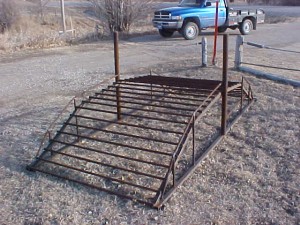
x=72 y=69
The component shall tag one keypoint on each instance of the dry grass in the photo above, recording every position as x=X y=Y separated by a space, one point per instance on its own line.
x=251 y=178
x=288 y=61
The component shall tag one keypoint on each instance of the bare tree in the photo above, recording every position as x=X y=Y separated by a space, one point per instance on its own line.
x=42 y=6
x=120 y=14
x=9 y=14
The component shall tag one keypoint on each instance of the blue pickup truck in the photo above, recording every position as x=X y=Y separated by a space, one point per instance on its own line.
x=191 y=16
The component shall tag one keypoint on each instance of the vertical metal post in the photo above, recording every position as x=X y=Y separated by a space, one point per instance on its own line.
x=204 y=51
x=224 y=85
x=117 y=72
x=117 y=57
x=242 y=93
x=62 y=7
x=249 y=94
x=151 y=85
x=214 y=60
x=76 y=120
x=193 y=139
x=173 y=171
x=238 y=51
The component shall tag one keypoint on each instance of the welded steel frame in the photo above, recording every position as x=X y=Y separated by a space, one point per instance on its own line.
x=192 y=96
x=210 y=93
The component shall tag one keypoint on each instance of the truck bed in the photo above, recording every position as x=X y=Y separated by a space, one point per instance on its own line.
x=235 y=16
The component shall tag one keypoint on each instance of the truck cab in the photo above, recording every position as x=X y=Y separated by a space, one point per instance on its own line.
x=190 y=16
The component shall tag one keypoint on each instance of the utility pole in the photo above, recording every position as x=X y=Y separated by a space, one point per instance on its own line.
x=62 y=6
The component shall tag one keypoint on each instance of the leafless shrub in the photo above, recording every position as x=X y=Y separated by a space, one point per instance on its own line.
x=42 y=6
x=9 y=14
x=120 y=14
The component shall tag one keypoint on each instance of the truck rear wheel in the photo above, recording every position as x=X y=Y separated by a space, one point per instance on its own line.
x=165 y=33
x=246 y=27
x=190 y=31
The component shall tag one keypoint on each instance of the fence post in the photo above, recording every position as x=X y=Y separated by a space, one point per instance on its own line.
x=117 y=72
x=63 y=18
x=224 y=85
x=239 y=52
x=204 y=51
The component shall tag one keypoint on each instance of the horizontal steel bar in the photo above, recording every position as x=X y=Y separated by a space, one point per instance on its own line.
x=115 y=143
x=161 y=96
x=123 y=134
x=147 y=99
x=138 y=109
x=94 y=186
x=156 y=91
x=132 y=115
x=175 y=88
x=141 y=103
x=99 y=175
x=105 y=164
x=273 y=67
x=175 y=81
x=110 y=154
x=130 y=125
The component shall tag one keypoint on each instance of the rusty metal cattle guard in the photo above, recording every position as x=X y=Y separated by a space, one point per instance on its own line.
x=148 y=152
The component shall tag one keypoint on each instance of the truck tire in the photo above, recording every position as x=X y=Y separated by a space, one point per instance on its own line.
x=165 y=33
x=222 y=29
x=246 y=27
x=190 y=31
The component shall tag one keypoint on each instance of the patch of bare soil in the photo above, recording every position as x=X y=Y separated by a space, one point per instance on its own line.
x=250 y=178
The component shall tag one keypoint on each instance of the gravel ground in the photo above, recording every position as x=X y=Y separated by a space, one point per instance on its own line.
x=251 y=178
x=275 y=58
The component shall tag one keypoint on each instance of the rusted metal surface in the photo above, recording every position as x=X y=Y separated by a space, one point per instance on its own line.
x=139 y=138
x=224 y=85
x=117 y=72
x=139 y=157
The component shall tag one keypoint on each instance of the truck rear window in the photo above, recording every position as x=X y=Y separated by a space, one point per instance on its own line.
x=190 y=2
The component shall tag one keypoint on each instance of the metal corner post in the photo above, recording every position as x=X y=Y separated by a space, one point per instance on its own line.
x=224 y=84
x=117 y=72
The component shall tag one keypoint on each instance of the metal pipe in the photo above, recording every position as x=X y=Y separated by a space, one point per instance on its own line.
x=108 y=153
x=143 y=104
x=242 y=93
x=214 y=60
x=116 y=143
x=204 y=51
x=194 y=139
x=100 y=175
x=171 y=87
x=106 y=165
x=224 y=85
x=156 y=99
x=133 y=115
x=139 y=109
x=131 y=125
x=162 y=96
x=94 y=186
x=117 y=72
x=117 y=56
x=62 y=7
x=124 y=134
x=203 y=93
